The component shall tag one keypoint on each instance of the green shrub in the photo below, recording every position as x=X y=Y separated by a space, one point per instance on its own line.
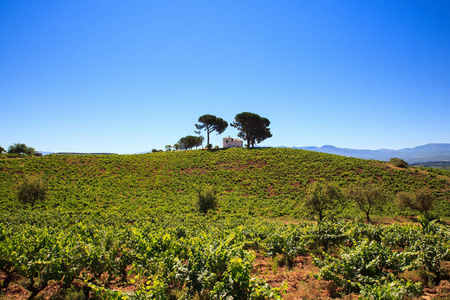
x=399 y=163
x=32 y=189
x=206 y=198
x=422 y=201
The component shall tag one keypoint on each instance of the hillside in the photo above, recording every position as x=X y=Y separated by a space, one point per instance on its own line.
x=265 y=182
x=126 y=227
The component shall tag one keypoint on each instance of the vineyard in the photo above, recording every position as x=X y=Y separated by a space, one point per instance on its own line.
x=126 y=227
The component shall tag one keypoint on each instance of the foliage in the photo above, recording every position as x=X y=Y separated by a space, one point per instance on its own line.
x=253 y=128
x=32 y=189
x=323 y=198
x=21 y=149
x=379 y=254
x=399 y=163
x=189 y=142
x=422 y=200
x=206 y=198
x=269 y=182
x=367 y=264
x=209 y=258
x=109 y=220
x=2 y=150
x=210 y=124
x=366 y=197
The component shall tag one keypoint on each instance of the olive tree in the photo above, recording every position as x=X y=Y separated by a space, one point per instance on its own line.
x=32 y=189
x=366 y=197
x=323 y=199
x=422 y=200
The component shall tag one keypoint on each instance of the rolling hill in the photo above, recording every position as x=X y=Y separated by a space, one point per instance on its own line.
x=270 y=182
x=126 y=227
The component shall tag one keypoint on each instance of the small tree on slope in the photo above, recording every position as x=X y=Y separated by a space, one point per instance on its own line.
x=366 y=198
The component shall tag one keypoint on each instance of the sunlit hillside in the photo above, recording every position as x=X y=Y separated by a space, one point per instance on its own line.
x=128 y=227
x=264 y=182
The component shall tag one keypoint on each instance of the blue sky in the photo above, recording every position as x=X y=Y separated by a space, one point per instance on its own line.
x=130 y=76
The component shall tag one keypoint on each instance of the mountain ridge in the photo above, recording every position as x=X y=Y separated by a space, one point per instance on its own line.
x=431 y=152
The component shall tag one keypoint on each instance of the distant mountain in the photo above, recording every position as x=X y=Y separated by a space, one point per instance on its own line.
x=420 y=154
x=45 y=152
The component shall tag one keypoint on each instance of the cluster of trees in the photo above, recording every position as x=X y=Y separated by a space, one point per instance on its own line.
x=18 y=148
x=189 y=142
x=326 y=199
x=252 y=128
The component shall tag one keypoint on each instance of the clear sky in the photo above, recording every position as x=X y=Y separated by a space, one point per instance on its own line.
x=130 y=76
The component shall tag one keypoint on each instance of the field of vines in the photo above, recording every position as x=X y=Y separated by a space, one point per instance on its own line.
x=126 y=227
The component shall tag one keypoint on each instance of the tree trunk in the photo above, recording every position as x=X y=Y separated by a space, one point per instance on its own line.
x=86 y=291
x=8 y=279
x=368 y=216
x=249 y=140
x=207 y=138
x=34 y=290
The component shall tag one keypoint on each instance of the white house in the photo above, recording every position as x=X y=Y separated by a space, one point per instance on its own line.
x=229 y=142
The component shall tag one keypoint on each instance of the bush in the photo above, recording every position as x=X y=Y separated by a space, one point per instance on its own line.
x=32 y=189
x=399 y=163
x=422 y=201
x=206 y=198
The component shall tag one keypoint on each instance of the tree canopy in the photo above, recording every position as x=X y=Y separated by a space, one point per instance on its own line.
x=21 y=149
x=421 y=200
x=367 y=197
x=2 y=150
x=253 y=128
x=211 y=123
x=32 y=189
x=189 y=142
x=323 y=198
